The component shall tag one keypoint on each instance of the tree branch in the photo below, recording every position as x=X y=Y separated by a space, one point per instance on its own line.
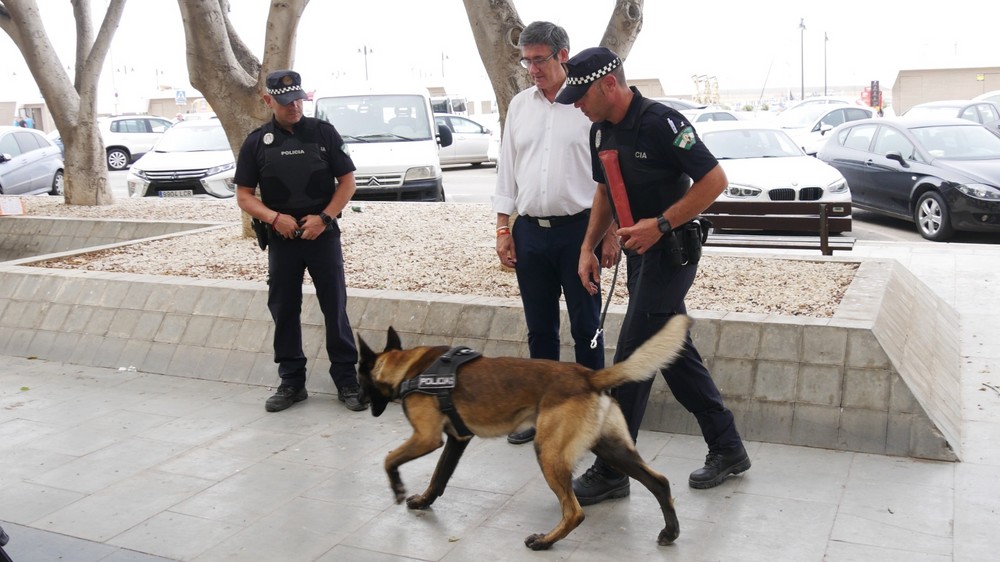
x=624 y=27
x=244 y=56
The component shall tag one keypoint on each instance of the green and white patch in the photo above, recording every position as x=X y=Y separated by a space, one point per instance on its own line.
x=685 y=139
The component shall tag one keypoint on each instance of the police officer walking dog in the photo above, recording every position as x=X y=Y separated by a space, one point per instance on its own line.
x=306 y=178
x=658 y=155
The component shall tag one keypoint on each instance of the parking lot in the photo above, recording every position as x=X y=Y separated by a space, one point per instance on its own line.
x=465 y=184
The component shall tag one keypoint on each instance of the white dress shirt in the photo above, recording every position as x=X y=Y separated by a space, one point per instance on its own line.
x=545 y=166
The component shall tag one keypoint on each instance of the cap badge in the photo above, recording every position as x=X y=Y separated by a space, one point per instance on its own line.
x=286 y=80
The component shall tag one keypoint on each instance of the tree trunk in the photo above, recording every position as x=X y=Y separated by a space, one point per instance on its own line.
x=73 y=105
x=224 y=70
x=497 y=27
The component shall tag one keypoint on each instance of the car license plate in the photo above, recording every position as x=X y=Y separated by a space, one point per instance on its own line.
x=176 y=193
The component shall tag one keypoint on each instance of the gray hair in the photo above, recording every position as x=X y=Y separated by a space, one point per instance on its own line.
x=544 y=33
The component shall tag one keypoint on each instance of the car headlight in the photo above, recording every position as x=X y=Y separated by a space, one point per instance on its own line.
x=839 y=186
x=741 y=191
x=220 y=169
x=139 y=173
x=980 y=191
x=422 y=173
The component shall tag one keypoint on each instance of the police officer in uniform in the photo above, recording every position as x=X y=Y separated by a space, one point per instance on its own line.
x=659 y=156
x=306 y=178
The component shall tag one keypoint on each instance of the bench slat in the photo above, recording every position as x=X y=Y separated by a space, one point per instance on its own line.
x=786 y=242
x=774 y=222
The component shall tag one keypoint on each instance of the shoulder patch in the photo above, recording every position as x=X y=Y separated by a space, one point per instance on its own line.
x=685 y=139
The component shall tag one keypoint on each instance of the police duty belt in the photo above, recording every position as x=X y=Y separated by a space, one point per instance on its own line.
x=439 y=380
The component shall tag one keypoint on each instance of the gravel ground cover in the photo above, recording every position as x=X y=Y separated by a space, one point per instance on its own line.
x=431 y=248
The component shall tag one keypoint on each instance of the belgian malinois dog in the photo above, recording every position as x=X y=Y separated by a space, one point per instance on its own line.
x=494 y=396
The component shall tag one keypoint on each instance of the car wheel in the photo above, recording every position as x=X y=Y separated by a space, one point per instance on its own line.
x=58 y=183
x=117 y=159
x=931 y=216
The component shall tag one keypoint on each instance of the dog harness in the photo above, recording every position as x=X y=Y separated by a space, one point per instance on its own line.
x=439 y=380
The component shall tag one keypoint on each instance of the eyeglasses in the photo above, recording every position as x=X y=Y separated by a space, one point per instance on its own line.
x=537 y=61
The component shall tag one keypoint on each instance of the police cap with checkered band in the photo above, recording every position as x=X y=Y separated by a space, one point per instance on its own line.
x=585 y=68
x=285 y=86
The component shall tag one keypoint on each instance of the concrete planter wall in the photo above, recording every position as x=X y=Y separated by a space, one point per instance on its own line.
x=881 y=376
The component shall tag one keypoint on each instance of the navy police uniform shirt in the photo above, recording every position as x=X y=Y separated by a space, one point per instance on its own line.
x=659 y=153
x=296 y=171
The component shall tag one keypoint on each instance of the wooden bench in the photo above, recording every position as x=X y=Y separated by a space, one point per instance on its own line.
x=790 y=216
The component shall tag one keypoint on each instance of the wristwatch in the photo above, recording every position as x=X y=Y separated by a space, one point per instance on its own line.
x=663 y=224
x=327 y=219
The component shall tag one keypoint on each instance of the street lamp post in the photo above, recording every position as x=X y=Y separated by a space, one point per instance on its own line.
x=365 y=50
x=443 y=58
x=802 y=56
x=825 y=41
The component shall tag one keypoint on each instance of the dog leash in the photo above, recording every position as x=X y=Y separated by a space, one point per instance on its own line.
x=604 y=313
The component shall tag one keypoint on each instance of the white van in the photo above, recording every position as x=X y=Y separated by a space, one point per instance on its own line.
x=393 y=142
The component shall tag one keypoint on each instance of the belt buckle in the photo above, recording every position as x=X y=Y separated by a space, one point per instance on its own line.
x=544 y=223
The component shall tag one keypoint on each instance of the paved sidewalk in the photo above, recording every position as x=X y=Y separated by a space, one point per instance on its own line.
x=102 y=464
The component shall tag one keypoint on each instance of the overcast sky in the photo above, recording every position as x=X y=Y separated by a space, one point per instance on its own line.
x=745 y=45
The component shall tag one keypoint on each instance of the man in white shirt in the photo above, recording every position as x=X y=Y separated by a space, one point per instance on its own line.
x=545 y=176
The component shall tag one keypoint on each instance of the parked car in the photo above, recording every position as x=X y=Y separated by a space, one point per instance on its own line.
x=126 y=139
x=30 y=163
x=56 y=139
x=472 y=143
x=993 y=96
x=943 y=174
x=680 y=104
x=710 y=114
x=820 y=100
x=983 y=112
x=193 y=158
x=808 y=124
x=764 y=164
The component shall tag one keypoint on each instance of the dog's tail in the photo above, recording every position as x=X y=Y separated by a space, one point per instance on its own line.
x=656 y=353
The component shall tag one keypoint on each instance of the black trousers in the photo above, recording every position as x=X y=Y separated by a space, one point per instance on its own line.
x=287 y=261
x=547 y=260
x=656 y=293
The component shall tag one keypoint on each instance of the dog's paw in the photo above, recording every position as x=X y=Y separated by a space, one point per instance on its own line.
x=668 y=536
x=400 y=493
x=537 y=542
x=417 y=501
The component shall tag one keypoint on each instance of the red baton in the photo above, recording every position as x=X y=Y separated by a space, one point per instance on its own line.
x=616 y=185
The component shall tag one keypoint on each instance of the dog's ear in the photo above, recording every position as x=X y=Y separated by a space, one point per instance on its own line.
x=365 y=354
x=392 y=340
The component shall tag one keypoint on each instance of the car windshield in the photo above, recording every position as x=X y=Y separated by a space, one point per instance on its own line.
x=932 y=112
x=197 y=138
x=750 y=143
x=802 y=116
x=377 y=118
x=958 y=142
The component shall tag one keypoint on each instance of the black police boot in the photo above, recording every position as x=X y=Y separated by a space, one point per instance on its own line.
x=519 y=437
x=351 y=397
x=596 y=485
x=718 y=467
x=284 y=397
